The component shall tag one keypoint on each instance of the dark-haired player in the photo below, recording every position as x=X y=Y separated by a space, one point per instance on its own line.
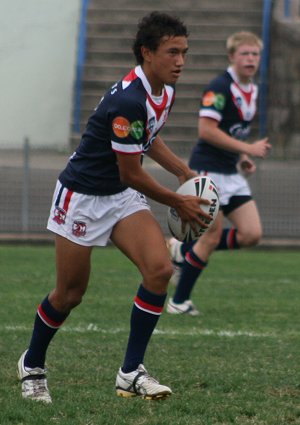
x=227 y=108
x=100 y=195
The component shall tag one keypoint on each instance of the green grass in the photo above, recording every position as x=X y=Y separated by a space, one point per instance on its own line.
x=237 y=363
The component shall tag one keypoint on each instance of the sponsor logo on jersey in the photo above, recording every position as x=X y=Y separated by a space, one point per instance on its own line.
x=121 y=127
x=240 y=132
x=238 y=101
x=214 y=99
x=208 y=98
x=151 y=124
x=219 y=102
x=137 y=129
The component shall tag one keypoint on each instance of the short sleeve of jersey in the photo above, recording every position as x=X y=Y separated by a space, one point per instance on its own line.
x=214 y=99
x=127 y=120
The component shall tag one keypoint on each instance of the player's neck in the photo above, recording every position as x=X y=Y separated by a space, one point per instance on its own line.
x=156 y=84
x=239 y=79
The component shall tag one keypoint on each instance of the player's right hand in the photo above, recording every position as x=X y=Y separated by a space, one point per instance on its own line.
x=188 y=208
x=260 y=148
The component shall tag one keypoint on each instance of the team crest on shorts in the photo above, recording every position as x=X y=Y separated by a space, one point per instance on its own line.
x=79 y=228
x=59 y=215
x=140 y=197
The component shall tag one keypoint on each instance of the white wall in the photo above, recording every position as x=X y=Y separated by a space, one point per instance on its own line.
x=38 y=48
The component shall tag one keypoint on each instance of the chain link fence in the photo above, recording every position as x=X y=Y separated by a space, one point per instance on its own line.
x=28 y=176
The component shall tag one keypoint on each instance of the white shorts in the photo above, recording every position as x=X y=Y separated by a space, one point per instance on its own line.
x=89 y=220
x=229 y=185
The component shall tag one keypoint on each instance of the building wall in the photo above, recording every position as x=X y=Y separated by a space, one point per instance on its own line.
x=38 y=57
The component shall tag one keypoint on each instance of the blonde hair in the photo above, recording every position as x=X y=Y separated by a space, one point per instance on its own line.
x=242 y=37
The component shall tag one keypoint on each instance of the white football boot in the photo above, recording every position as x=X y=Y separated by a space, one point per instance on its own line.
x=174 y=247
x=34 y=382
x=187 y=307
x=140 y=383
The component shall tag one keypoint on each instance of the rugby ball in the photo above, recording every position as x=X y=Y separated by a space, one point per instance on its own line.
x=204 y=187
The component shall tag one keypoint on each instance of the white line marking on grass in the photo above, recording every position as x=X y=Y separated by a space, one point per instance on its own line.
x=92 y=327
x=211 y=332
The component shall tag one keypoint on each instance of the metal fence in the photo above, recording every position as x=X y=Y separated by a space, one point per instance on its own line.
x=27 y=179
x=28 y=176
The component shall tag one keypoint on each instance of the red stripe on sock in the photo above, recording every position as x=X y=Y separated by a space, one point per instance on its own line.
x=154 y=309
x=46 y=320
x=230 y=238
x=192 y=262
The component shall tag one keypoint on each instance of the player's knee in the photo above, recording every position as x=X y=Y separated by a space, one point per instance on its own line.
x=164 y=272
x=69 y=299
x=250 y=238
x=160 y=274
x=256 y=237
x=74 y=299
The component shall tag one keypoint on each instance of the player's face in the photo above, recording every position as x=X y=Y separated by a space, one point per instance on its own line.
x=164 y=66
x=245 y=61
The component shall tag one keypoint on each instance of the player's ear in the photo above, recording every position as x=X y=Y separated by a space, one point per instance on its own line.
x=146 y=53
x=231 y=57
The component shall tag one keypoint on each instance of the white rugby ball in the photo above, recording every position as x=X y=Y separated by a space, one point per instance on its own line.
x=204 y=187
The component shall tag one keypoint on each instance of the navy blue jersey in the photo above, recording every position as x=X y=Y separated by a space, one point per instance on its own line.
x=234 y=108
x=127 y=121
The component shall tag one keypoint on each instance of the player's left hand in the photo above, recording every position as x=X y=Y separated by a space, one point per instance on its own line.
x=246 y=167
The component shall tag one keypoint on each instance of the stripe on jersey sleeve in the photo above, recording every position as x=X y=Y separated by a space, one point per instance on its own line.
x=209 y=113
x=123 y=148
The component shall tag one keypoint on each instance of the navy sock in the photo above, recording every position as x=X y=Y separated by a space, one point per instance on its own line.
x=47 y=322
x=228 y=240
x=187 y=246
x=191 y=270
x=145 y=313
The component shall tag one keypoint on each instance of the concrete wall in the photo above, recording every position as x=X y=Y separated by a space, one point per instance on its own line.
x=284 y=81
x=38 y=57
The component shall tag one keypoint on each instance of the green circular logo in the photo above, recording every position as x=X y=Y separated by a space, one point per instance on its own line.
x=219 y=102
x=137 y=129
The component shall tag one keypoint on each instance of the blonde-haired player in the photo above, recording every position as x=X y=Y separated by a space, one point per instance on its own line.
x=228 y=106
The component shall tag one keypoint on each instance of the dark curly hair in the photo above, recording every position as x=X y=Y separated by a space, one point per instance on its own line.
x=152 y=28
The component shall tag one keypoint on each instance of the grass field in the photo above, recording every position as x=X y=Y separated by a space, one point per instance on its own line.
x=237 y=363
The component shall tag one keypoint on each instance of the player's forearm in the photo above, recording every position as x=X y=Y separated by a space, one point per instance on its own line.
x=144 y=183
x=161 y=154
x=221 y=140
